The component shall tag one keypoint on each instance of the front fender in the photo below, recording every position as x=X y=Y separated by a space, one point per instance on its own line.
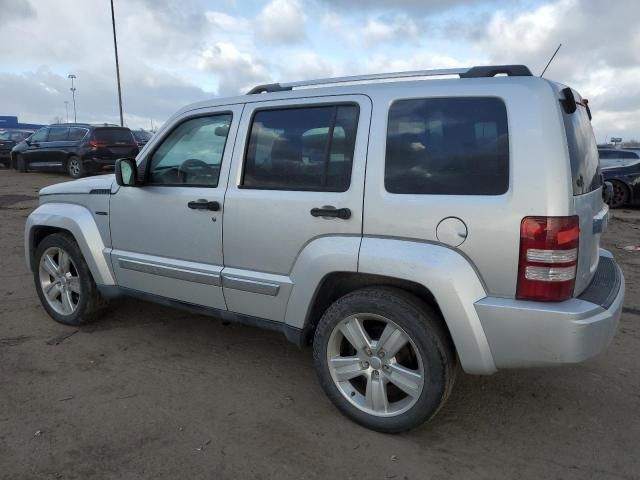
x=80 y=222
x=451 y=279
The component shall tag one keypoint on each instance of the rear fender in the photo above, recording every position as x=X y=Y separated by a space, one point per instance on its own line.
x=452 y=280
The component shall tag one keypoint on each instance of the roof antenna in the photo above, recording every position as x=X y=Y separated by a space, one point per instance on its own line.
x=551 y=60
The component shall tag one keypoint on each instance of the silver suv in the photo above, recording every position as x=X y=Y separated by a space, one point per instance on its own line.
x=401 y=223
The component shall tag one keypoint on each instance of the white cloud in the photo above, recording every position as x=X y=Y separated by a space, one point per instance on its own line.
x=399 y=29
x=281 y=21
x=238 y=71
x=599 y=55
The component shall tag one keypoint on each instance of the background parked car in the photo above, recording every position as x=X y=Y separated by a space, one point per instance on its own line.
x=142 y=137
x=621 y=167
x=78 y=149
x=8 y=139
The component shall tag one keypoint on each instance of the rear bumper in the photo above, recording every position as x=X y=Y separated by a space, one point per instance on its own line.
x=96 y=164
x=530 y=334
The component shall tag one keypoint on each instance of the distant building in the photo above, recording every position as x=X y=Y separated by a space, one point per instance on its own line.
x=12 y=122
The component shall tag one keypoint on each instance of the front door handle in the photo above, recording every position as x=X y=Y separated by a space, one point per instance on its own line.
x=203 y=204
x=329 y=211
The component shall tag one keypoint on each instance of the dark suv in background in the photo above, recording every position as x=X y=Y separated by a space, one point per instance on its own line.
x=9 y=137
x=78 y=149
x=621 y=167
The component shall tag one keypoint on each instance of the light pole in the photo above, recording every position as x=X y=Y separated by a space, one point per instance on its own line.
x=115 y=47
x=73 y=92
x=66 y=109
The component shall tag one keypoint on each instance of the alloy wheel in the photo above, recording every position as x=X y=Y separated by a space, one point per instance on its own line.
x=74 y=167
x=59 y=281
x=375 y=365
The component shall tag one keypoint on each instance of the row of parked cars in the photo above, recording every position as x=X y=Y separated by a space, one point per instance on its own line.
x=81 y=149
x=76 y=148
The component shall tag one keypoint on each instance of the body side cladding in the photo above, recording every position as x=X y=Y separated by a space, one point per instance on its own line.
x=293 y=334
x=78 y=221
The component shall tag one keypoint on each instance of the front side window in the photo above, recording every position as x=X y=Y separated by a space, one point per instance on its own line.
x=192 y=154
x=57 y=134
x=39 y=136
x=447 y=146
x=302 y=148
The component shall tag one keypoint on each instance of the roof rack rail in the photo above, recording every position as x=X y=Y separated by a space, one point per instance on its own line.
x=473 y=72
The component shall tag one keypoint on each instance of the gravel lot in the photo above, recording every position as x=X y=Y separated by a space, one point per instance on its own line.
x=150 y=392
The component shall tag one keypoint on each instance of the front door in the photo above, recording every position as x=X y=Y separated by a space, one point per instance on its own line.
x=36 y=147
x=167 y=233
x=297 y=180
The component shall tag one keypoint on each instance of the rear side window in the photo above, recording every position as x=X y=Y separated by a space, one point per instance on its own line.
x=308 y=148
x=583 y=151
x=114 y=136
x=57 y=134
x=447 y=146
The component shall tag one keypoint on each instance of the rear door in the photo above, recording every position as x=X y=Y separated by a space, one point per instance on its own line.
x=297 y=176
x=57 y=145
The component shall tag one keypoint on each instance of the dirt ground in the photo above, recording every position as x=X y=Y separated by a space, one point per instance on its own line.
x=150 y=392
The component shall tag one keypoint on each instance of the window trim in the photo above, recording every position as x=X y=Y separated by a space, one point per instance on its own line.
x=149 y=156
x=449 y=97
x=298 y=106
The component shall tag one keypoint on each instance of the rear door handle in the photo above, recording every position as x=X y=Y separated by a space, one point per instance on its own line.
x=329 y=211
x=203 y=204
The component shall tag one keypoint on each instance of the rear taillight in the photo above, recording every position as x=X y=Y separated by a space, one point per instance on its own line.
x=97 y=144
x=548 y=258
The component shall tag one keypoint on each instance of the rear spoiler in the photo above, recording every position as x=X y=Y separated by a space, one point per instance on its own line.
x=570 y=104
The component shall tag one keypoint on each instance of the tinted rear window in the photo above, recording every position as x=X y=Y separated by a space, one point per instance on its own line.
x=447 y=146
x=114 y=136
x=583 y=151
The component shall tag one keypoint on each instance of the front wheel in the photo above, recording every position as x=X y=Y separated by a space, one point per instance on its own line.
x=384 y=359
x=64 y=283
x=75 y=167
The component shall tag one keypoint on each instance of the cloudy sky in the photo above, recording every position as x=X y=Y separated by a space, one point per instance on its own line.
x=174 y=52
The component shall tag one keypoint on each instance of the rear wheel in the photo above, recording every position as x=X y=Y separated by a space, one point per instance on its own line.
x=21 y=165
x=384 y=359
x=64 y=283
x=75 y=168
x=620 y=195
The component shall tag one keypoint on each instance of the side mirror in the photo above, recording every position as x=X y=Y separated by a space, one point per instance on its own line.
x=126 y=172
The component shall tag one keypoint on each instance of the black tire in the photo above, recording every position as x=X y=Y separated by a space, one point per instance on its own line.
x=21 y=165
x=423 y=326
x=75 y=167
x=619 y=196
x=90 y=304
